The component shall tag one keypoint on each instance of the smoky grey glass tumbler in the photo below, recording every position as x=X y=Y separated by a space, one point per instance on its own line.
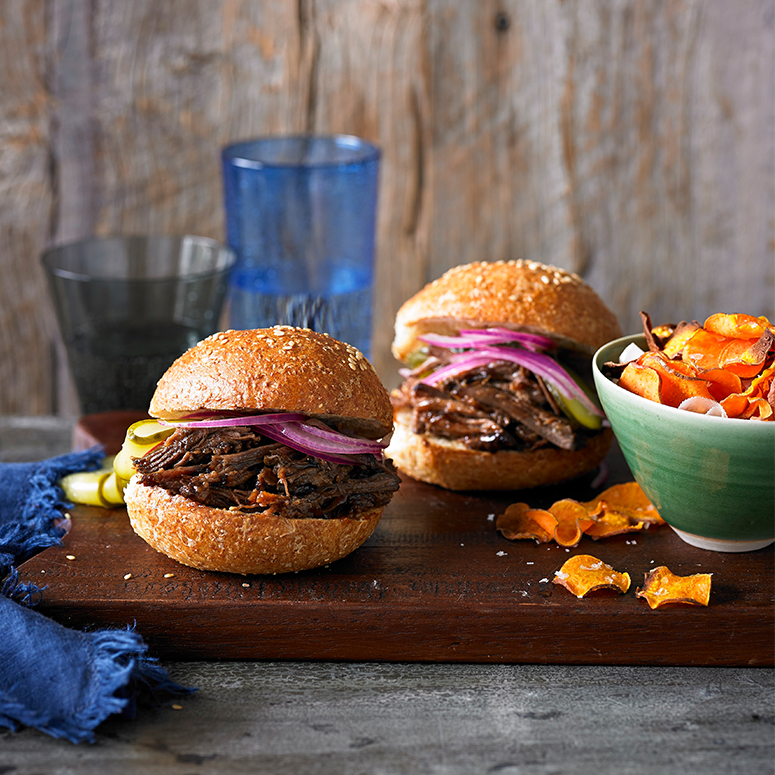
x=127 y=307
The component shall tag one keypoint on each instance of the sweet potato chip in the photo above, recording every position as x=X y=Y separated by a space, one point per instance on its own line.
x=758 y=408
x=762 y=384
x=572 y=520
x=662 y=586
x=755 y=401
x=613 y=523
x=584 y=573
x=517 y=522
x=678 y=381
x=722 y=383
x=642 y=380
x=627 y=498
x=703 y=350
x=746 y=357
x=735 y=404
x=661 y=363
x=681 y=335
x=736 y=326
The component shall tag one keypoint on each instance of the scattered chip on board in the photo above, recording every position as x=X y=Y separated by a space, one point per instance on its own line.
x=584 y=573
x=662 y=586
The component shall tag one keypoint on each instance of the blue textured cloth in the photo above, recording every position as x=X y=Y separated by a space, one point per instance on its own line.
x=61 y=681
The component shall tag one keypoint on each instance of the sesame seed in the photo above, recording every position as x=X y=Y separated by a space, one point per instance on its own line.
x=176 y=707
x=245 y=584
x=168 y=575
x=70 y=556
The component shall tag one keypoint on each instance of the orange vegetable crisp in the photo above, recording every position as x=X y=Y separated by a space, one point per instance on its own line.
x=584 y=573
x=662 y=586
x=724 y=367
x=622 y=508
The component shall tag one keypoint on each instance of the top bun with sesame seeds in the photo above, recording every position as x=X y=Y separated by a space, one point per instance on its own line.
x=279 y=369
x=519 y=295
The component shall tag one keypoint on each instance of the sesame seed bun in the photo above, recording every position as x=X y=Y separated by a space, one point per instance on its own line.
x=520 y=295
x=280 y=369
x=229 y=541
x=453 y=466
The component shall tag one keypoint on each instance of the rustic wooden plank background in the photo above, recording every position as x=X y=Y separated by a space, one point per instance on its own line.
x=631 y=141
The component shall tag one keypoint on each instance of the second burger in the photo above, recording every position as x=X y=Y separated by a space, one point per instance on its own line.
x=497 y=381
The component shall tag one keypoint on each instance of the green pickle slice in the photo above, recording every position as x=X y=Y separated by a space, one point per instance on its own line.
x=105 y=487
x=416 y=357
x=93 y=488
x=572 y=407
x=145 y=433
x=141 y=438
x=85 y=487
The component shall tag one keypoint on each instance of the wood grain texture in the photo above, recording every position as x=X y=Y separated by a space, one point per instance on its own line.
x=434 y=583
x=26 y=210
x=631 y=142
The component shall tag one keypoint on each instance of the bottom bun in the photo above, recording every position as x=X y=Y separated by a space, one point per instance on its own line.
x=234 y=542
x=452 y=465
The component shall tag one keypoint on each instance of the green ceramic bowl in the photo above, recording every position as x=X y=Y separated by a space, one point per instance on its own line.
x=711 y=478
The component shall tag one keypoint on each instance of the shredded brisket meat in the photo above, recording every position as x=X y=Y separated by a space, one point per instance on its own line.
x=494 y=407
x=237 y=468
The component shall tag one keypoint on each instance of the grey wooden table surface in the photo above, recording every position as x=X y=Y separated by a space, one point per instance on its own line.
x=273 y=717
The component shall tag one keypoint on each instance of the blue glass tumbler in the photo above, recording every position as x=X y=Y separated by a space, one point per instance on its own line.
x=301 y=216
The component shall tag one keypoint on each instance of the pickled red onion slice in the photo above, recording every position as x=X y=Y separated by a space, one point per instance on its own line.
x=291 y=429
x=235 y=420
x=335 y=436
x=538 y=363
x=335 y=450
x=495 y=335
x=488 y=336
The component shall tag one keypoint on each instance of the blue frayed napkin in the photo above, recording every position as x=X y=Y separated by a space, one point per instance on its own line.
x=61 y=681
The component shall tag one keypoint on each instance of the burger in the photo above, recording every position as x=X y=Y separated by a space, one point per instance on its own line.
x=265 y=454
x=497 y=381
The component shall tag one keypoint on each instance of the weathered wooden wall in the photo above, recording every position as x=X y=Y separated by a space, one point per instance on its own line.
x=632 y=141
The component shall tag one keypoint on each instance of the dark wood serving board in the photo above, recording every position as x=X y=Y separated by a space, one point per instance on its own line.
x=435 y=582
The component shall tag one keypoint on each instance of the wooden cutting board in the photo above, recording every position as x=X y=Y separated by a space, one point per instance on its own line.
x=435 y=582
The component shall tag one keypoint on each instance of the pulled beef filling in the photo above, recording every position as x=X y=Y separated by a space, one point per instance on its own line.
x=500 y=406
x=237 y=468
